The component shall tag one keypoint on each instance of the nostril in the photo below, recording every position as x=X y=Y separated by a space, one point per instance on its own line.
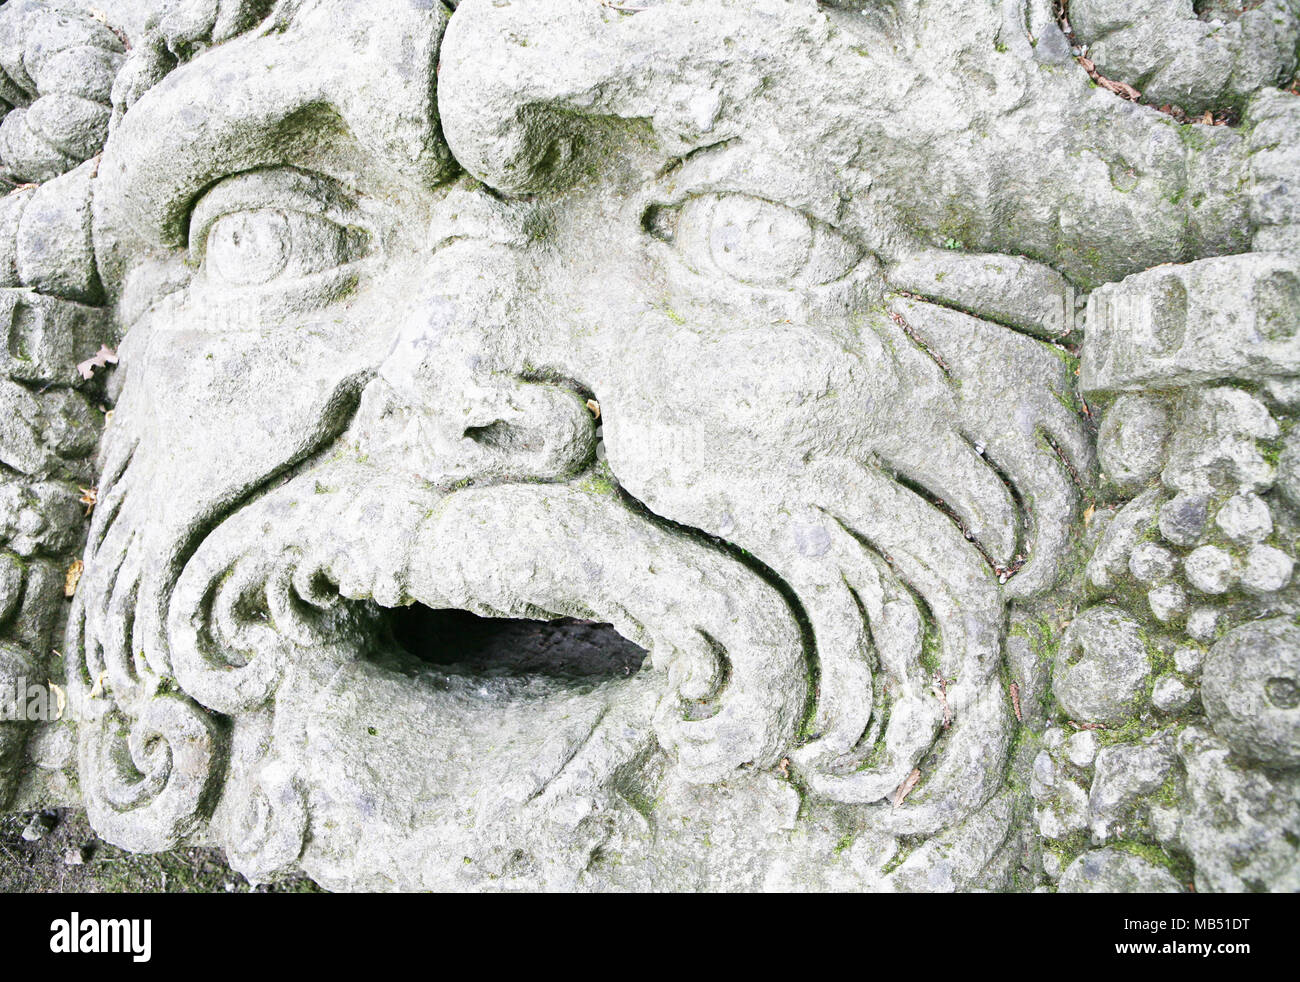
x=498 y=435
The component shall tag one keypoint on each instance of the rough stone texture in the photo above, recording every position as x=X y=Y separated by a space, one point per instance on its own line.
x=1170 y=695
x=1131 y=441
x=1102 y=667
x=1115 y=871
x=1251 y=688
x=678 y=445
x=59 y=71
x=1239 y=825
x=1183 y=324
x=1124 y=777
x=1199 y=55
x=1210 y=569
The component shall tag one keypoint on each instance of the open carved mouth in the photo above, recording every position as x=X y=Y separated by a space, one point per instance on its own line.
x=532 y=609
x=566 y=648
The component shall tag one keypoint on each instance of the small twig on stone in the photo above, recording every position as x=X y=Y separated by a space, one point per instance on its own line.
x=943 y=699
x=1121 y=89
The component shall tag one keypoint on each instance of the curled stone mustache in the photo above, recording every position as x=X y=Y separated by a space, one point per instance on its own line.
x=718 y=632
x=301 y=575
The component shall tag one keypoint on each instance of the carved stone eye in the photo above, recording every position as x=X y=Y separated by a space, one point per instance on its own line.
x=755 y=241
x=251 y=248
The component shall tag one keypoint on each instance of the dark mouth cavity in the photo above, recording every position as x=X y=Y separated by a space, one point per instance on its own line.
x=563 y=648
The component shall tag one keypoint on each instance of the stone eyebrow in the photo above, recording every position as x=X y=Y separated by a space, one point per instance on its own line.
x=206 y=120
x=270 y=99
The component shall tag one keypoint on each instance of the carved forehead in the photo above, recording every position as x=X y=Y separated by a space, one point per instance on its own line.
x=519 y=80
x=314 y=71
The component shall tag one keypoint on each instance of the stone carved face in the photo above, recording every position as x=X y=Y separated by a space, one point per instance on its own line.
x=377 y=264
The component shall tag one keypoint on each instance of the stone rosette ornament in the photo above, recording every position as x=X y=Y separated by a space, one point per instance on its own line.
x=915 y=408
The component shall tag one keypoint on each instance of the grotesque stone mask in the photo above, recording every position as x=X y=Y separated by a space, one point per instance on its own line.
x=748 y=329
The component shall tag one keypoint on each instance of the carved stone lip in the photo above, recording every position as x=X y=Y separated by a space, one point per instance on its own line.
x=302 y=577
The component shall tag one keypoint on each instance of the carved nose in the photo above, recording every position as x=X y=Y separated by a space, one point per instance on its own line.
x=457 y=428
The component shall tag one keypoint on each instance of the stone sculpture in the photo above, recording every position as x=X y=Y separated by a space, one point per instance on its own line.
x=906 y=386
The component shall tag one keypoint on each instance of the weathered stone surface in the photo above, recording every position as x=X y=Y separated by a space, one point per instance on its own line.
x=1238 y=824
x=1273 y=190
x=1251 y=688
x=46 y=338
x=46 y=435
x=1202 y=623
x=16 y=665
x=1081 y=749
x=1244 y=518
x=59 y=67
x=1131 y=442
x=1124 y=776
x=1112 y=559
x=1116 y=871
x=1171 y=695
x=1010 y=289
x=1151 y=563
x=1210 y=569
x=1192 y=323
x=1216 y=448
x=54 y=249
x=691 y=445
x=1188 y=658
x=1198 y=56
x=1268 y=569
x=1102 y=668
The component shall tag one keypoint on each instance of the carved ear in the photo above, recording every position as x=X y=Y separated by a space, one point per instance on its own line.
x=520 y=84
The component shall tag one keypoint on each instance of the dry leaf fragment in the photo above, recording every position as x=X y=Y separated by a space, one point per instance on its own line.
x=594 y=406
x=97 y=690
x=1014 y=689
x=906 y=787
x=1122 y=89
x=73 y=577
x=102 y=358
x=784 y=767
x=60 y=698
x=88 y=498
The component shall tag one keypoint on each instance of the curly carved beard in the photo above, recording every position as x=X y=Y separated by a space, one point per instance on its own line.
x=299 y=589
x=293 y=598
